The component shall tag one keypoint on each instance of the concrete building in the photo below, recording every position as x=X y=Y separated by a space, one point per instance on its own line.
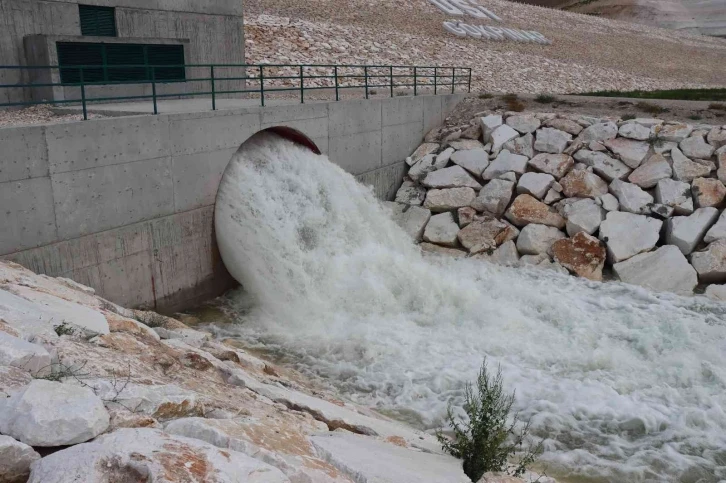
x=116 y=33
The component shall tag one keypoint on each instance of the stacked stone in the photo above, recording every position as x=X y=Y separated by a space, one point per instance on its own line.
x=573 y=193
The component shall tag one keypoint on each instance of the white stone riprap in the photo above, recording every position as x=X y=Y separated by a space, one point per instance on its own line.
x=550 y=140
x=627 y=234
x=664 y=270
x=686 y=232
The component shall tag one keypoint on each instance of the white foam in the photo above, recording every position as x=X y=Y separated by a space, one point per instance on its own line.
x=626 y=385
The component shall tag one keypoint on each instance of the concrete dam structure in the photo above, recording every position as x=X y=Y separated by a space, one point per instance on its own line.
x=126 y=205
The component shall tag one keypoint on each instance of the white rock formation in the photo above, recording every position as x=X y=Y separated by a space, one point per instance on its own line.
x=453 y=177
x=412 y=219
x=630 y=152
x=550 y=140
x=650 y=172
x=696 y=147
x=49 y=413
x=441 y=229
x=686 y=170
x=26 y=356
x=506 y=162
x=599 y=132
x=674 y=132
x=626 y=234
x=583 y=215
x=555 y=164
x=535 y=239
x=448 y=199
x=524 y=124
x=633 y=130
x=665 y=270
x=489 y=124
x=475 y=161
x=424 y=166
x=501 y=136
x=631 y=197
x=676 y=194
x=410 y=194
x=15 y=460
x=523 y=145
x=494 y=197
x=717 y=231
x=535 y=184
x=602 y=164
x=711 y=262
x=686 y=232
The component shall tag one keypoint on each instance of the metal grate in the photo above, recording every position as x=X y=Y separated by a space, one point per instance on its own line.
x=97 y=21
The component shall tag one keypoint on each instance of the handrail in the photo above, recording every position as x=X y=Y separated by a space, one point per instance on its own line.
x=261 y=79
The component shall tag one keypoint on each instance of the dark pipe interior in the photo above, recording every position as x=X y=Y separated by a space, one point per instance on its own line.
x=295 y=136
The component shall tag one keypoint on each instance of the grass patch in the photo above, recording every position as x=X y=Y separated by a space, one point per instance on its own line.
x=695 y=117
x=491 y=434
x=650 y=108
x=485 y=95
x=628 y=117
x=400 y=94
x=717 y=106
x=64 y=329
x=545 y=99
x=675 y=94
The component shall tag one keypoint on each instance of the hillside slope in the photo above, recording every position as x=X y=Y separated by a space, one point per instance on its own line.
x=707 y=17
x=587 y=52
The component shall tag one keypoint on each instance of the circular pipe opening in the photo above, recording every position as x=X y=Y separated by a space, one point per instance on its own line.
x=295 y=136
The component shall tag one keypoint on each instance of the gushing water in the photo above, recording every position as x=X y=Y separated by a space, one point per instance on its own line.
x=624 y=385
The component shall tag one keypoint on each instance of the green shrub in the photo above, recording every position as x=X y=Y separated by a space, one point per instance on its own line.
x=717 y=106
x=628 y=117
x=695 y=117
x=64 y=329
x=513 y=103
x=485 y=95
x=545 y=99
x=489 y=438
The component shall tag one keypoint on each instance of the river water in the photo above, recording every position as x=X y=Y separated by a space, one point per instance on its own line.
x=623 y=384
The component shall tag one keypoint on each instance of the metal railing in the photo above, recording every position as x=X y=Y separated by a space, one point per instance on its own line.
x=252 y=80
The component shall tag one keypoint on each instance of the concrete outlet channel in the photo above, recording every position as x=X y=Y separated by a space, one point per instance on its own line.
x=126 y=204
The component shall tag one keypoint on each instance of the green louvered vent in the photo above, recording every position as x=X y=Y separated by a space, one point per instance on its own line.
x=97 y=21
x=120 y=62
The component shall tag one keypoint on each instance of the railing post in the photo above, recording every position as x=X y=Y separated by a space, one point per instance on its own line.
x=335 y=73
x=453 y=76
x=470 y=79
x=214 y=96
x=83 y=94
x=436 y=71
x=153 y=88
x=262 y=84
x=415 y=81
x=391 y=71
x=365 y=76
x=302 y=86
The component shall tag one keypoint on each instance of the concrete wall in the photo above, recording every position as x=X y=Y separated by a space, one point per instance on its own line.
x=126 y=204
x=213 y=29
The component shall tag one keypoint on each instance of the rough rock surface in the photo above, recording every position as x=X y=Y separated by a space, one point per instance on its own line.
x=696 y=147
x=685 y=169
x=581 y=183
x=649 y=173
x=522 y=145
x=582 y=254
x=550 y=140
x=627 y=234
x=526 y=209
x=412 y=219
x=602 y=164
x=133 y=454
x=535 y=184
x=475 y=161
x=633 y=130
x=505 y=254
x=717 y=231
x=479 y=236
x=535 y=239
x=631 y=197
x=708 y=192
x=583 y=216
x=665 y=269
x=599 y=132
x=15 y=460
x=494 y=197
x=49 y=413
x=411 y=194
x=674 y=132
x=505 y=162
x=441 y=229
x=26 y=356
x=555 y=164
x=676 y=194
x=686 y=232
x=438 y=200
x=453 y=177
x=711 y=262
x=501 y=136
x=630 y=152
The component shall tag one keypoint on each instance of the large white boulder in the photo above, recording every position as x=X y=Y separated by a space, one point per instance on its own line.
x=627 y=234
x=649 y=173
x=423 y=150
x=631 y=197
x=716 y=292
x=47 y=413
x=474 y=161
x=686 y=232
x=505 y=254
x=523 y=145
x=443 y=158
x=448 y=199
x=15 y=460
x=676 y=194
x=717 y=137
x=581 y=183
x=441 y=229
x=602 y=164
x=674 y=132
x=535 y=184
x=696 y=147
x=665 y=269
x=485 y=235
x=708 y=192
x=535 y=239
x=145 y=454
x=686 y=170
x=555 y=164
x=410 y=194
x=525 y=124
x=160 y=401
x=567 y=125
x=370 y=460
x=633 y=130
x=26 y=356
x=452 y=177
x=506 y=162
x=582 y=254
x=412 y=219
x=526 y=209
x=488 y=125
x=423 y=167
x=711 y=262
x=501 y=135
x=550 y=140
x=599 y=132
x=717 y=231
x=630 y=152
x=494 y=197
x=583 y=215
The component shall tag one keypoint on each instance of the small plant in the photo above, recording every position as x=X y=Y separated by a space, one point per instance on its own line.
x=545 y=99
x=400 y=94
x=513 y=103
x=628 y=117
x=487 y=440
x=485 y=95
x=373 y=92
x=650 y=108
x=64 y=329
x=695 y=117
x=717 y=106
x=150 y=319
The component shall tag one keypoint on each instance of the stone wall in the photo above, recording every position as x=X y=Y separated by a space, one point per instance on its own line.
x=639 y=200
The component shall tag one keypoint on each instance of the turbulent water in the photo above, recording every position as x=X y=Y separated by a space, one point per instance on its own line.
x=624 y=385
